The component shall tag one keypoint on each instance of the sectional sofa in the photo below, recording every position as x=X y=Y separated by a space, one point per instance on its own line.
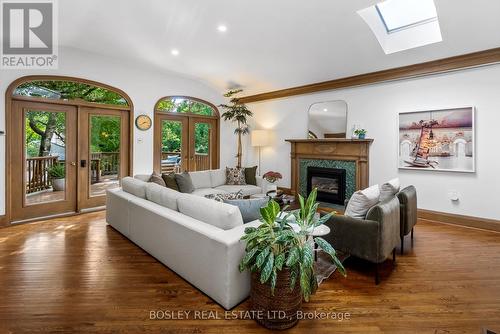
x=214 y=182
x=196 y=237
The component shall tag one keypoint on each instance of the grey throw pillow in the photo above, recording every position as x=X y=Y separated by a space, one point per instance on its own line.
x=249 y=208
x=235 y=176
x=156 y=178
x=184 y=182
x=389 y=189
x=361 y=201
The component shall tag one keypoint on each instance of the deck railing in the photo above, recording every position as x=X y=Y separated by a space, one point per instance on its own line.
x=104 y=163
x=37 y=178
x=202 y=162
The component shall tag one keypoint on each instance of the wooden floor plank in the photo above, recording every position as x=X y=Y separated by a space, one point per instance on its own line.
x=77 y=274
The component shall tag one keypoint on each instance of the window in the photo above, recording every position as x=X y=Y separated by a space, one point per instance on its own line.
x=185 y=105
x=186 y=135
x=402 y=14
x=401 y=25
x=70 y=90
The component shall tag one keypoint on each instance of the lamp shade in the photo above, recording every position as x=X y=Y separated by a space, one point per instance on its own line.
x=260 y=138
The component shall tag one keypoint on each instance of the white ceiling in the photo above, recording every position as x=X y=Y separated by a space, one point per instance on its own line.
x=270 y=44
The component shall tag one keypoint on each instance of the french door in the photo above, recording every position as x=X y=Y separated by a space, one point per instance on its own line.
x=43 y=159
x=103 y=154
x=184 y=143
x=64 y=157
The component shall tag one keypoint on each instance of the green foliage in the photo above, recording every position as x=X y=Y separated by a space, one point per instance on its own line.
x=275 y=244
x=171 y=134
x=184 y=105
x=105 y=133
x=38 y=125
x=238 y=113
x=57 y=171
x=68 y=90
x=358 y=132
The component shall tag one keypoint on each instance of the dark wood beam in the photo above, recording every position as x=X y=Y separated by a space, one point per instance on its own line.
x=411 y=71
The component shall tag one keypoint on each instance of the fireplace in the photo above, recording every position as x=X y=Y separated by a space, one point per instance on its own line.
x=330 y=182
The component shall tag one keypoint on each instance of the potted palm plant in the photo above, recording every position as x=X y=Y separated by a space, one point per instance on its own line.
x=57 y=175
x=280 y=256
x=238 y=113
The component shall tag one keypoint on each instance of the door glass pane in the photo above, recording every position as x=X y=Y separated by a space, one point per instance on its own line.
x=105 y=135
x=45 y=154
x=171 y=146
x=202 y=146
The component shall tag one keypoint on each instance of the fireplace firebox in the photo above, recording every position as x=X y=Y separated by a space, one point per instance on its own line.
x=330 y=183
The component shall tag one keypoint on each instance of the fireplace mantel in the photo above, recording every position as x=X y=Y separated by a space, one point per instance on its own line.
x=339 y=149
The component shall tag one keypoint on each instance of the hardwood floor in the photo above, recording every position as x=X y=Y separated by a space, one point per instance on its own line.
x=77 y=274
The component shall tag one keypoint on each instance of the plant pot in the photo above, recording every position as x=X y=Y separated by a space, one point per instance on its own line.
x=362 y=136
x=58 y=184
x=270 y=187
x=278 y=311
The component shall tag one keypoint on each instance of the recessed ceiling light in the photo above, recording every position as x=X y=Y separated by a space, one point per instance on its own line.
x=174 y=52
x=325 y=109
x=222 y=28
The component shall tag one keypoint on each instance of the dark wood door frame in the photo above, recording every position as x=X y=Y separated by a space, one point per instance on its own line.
x=9 y=98
x=85 y=201
x=187 y=119
x=20 y=209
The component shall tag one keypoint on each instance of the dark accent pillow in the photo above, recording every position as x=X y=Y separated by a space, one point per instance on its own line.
x=223 y=197
x=235 y=176
x=170 y=181
x=158 y=179
x=184 y=182
x=250 y=175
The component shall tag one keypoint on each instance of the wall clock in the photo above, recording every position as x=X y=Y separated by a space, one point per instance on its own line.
x=143 y=122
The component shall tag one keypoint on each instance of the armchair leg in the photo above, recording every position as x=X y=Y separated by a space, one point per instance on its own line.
x=402 y=244
x=412 y=233
x=377 y=278
x=394 y=255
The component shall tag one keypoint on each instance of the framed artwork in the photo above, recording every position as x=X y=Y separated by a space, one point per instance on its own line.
x=437 y=140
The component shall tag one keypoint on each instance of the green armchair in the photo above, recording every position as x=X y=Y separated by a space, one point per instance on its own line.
x=408 y=212
x=373 y=238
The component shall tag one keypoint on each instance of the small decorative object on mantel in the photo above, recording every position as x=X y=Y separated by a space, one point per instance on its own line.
x=361 y=133
x=271 y=177
x=280 y=256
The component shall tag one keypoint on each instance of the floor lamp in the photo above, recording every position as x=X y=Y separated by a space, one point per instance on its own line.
x=260 y=138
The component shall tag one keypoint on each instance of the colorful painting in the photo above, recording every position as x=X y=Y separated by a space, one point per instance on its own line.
x=440 y=140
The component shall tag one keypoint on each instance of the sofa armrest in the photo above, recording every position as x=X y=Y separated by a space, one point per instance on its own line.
x=354 y=236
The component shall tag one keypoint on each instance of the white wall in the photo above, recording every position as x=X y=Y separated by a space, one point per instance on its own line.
x=144 y=86
x=376 y=108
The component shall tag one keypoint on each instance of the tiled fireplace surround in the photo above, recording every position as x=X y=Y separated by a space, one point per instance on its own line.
x=349 y=154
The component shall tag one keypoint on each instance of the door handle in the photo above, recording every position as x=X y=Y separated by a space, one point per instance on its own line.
x=83 y=163
x=73 y=163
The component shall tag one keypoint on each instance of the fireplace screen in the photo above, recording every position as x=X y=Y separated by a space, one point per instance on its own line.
x=330 y=183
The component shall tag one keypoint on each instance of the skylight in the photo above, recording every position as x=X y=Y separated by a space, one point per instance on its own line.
x=402 y=14
x=403 y=24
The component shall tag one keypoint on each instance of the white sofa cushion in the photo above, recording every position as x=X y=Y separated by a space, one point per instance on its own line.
x=361 y=201
x=247 y=189
x=218 y=177
x=163 y=196
x=207 y=191
x=389 y=189
x=135 y=187
x=221 y=215
x=201 y=179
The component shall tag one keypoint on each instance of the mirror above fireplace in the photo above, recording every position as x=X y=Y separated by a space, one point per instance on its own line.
x=328 y=120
